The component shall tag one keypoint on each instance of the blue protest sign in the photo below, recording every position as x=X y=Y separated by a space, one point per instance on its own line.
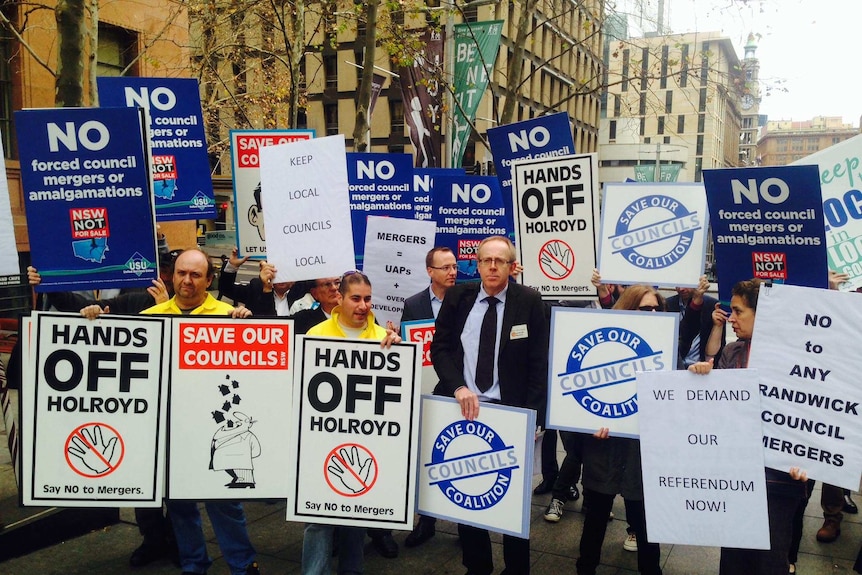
x=544 y=137
x=423 y=189
x=85 y=177
x=467 y=210
x=380 y=185
x=767 y=223
x=182 y=185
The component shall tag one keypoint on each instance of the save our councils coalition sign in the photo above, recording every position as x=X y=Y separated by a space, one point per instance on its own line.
x=477 y=472
x=555 y=224
x=86 y=180
x=653 y=233
x=595 y=356
x=182 y=185
x=93 y=412
x=805 y=347
x=355 y=432
x=229 y=405
x=767 y=223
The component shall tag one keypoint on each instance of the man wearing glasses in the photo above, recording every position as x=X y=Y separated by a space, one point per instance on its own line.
x=325 y=291
x=491 y=345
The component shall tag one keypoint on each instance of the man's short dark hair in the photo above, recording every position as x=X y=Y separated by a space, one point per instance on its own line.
x=429 y=257
x=350 y=278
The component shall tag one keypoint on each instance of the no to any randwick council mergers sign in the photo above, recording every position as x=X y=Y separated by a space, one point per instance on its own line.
x=595 y=356
x=93 y=412
x=477 y=472
x=653 y=233
x=355 y=431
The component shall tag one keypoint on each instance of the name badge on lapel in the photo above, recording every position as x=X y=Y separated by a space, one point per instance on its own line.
x=518 y=331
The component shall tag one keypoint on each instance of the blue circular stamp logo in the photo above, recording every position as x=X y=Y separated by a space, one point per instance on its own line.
x=472 y=465
x=599 y=363
x=654 y=232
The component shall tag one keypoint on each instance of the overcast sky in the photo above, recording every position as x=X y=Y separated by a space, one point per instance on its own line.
x=808 y=47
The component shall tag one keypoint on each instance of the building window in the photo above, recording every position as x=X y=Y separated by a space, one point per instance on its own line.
x=301 y=118
x=661 y=125
x=699 y=148
x=118 y=51
x=666 y=139
x=663 y=80
x=647 y=140
x=698 y=169
x=701 y=103
x=612 y=130
x=644 y=68
x=330 y=69
x=668 y=102
x=360 y=61
x=471 y=13
x=624 y=85
x=704 y=63
x=701 y=123
x=680 y=124
x=330 y=114
x=396 y=117
x=643 y=127
x=7 y=51
x=683 y=72
x=617 y=105
x=642 y=104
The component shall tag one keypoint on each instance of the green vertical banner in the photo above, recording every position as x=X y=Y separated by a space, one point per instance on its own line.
x=646 y=172
x=476 y=46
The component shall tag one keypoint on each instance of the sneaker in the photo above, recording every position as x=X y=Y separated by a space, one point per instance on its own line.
x=631 y=543
x=554 y=512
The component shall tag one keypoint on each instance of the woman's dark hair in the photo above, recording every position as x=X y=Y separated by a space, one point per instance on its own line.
x=632 y=296
x=747 y=290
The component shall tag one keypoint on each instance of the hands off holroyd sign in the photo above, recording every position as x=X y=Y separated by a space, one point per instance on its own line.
x=595 y=355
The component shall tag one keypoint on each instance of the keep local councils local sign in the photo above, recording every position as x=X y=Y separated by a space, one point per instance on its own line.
x=595 y=356
x=477 y=472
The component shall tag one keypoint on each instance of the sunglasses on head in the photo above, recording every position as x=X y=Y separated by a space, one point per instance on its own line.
x=649 y=308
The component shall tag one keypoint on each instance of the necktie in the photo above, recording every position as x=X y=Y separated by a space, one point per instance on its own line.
x=487 y=341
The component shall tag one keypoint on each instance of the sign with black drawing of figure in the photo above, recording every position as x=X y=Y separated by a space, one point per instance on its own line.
x=355 y=433
x=230 y=396
x=93 y=412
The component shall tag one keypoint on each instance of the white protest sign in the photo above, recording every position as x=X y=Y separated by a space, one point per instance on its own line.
x=94 y=412
x=8 y=248
x=355 y=432
x=805 y=345
x=395 y=251
x=595 y=355
x=653 y=233
x=422 y=332
x=555 y=224
x=477 y=472
x=245 y=146
x=307 y=209
x=841 y=185
x=230 y=396
x=702 y=459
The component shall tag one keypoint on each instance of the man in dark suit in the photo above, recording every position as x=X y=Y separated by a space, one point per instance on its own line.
x=504 y=323
x=442 y=268
x=263 y=297
x=695 y=310
x=325 y=291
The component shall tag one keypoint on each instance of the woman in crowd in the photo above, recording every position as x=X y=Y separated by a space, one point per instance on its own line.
x=613 y=465
x=784 y=491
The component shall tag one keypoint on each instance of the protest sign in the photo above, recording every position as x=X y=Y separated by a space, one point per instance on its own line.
x=423 y=189
x=767 y=223
x=421 y=332
x=380 y=185
x=702 y=459
x=8 y=248
x=595 y=355
x=467 y=210
x=182 y=185
x=477 y=472
x=805 y=346
x=355 y=432
x=555 y=224
x=308 y=209
x=245 y=146
x=544 y=137
x=395 y=262
x=840 y=169
x=230 y=396
x=654 y=234
x=93 y=423
x=86 y=179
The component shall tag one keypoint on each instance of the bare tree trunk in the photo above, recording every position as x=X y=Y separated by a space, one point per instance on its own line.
x=70 y=71
x=515 y=71
x=93 y=56
x=361 y=132
x=297 y=53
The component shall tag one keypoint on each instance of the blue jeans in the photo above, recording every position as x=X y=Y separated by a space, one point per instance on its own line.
x=228 y=521
x=317 y=549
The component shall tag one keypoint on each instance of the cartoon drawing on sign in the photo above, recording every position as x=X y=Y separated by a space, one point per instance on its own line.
x=556 y=259
x=351 y=470
x=94 y=450
x=255 y=214
x=234 y=445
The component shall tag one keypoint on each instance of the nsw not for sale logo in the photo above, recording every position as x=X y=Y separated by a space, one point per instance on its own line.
x=654 y=232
